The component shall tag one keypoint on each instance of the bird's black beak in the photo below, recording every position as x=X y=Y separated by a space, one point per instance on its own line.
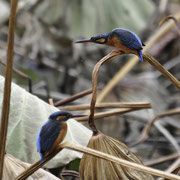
x=77 y=115
x=84 y=41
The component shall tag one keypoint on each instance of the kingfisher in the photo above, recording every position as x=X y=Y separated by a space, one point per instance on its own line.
x=53 y=132
x=123 y=39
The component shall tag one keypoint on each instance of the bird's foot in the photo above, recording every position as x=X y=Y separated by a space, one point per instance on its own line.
x=118 y=51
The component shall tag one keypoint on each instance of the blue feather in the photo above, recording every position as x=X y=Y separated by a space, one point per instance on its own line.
x=127 y=38
x=47 y=135
x=39 y=138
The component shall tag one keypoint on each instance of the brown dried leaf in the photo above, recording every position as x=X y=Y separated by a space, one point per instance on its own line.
x=96 y=169
x=13 y=167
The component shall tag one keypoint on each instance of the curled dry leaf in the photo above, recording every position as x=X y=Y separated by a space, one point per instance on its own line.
x=13 y=167
x=96 y=169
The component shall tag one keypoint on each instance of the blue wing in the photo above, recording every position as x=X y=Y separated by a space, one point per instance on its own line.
x=127 y=38
x=47 y=135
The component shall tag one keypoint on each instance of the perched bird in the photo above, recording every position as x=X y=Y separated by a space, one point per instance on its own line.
x=124 y=39
x=53 y=132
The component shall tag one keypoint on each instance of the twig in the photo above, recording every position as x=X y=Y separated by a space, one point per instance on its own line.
x=173 y=168
x=20 y=73
x=74 y=97
x=134 y=60
x=120 y=161
x=160 y=68
x=7 y=83
x=107 y=58
x=162 y=159
x=107 y=105
x=146 y=131
x=174 y=165
x=51 y=102
x=166 y=18
x=98 y=154
x=175 y=171
x=34 y=167
x=108 y=113
x=162 y=129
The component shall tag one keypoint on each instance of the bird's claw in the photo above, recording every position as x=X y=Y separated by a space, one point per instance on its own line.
x=118 y=51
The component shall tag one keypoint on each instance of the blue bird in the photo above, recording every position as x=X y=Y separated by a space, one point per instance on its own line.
x=124 y=39
x=53 y=132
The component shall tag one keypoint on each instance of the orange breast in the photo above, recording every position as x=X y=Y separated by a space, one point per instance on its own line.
x=114 y=41
x=61 y=136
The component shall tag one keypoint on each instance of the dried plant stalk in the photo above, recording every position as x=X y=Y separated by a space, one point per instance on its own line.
x=95 y=168
x=7 y=83
x=14 y=166
x=162 y=159
x=175 y=171
x=173 y=166
x=51 y=102
x=107 y=58
x=20 y=73
x=97 y=154
x=108 y=113
x=146 y=131
x=120 y=161
x=166 y=18
x=107 y=105
x=74 y=97
x=160 y=68
x=34 y=167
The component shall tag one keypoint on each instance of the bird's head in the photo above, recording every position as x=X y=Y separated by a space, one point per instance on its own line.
x=63 y=116
x=99 y=39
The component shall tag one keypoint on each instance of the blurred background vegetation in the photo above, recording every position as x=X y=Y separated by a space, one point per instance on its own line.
x=45 y=50
x=45 y=32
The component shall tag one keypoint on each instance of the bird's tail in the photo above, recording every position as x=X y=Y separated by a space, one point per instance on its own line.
x=42 y=157
x=140 y=54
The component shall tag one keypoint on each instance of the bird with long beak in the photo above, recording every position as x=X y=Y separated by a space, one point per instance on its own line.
x=123 y=39
x=53 y=132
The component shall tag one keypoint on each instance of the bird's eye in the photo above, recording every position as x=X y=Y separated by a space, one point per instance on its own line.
x=93 y=39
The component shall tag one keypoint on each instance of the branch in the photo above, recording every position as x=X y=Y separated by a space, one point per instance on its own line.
x=73 y=98
x=166 y=18
x=107 y=58
x=20 y=73
x=7 y=84
x=108 y=113
x=161 y=69
x=98 y=154
x=146 y=131
x=162 y=159
x=107 y=105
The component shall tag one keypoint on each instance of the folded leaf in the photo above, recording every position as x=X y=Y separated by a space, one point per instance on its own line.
x=27 y=114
